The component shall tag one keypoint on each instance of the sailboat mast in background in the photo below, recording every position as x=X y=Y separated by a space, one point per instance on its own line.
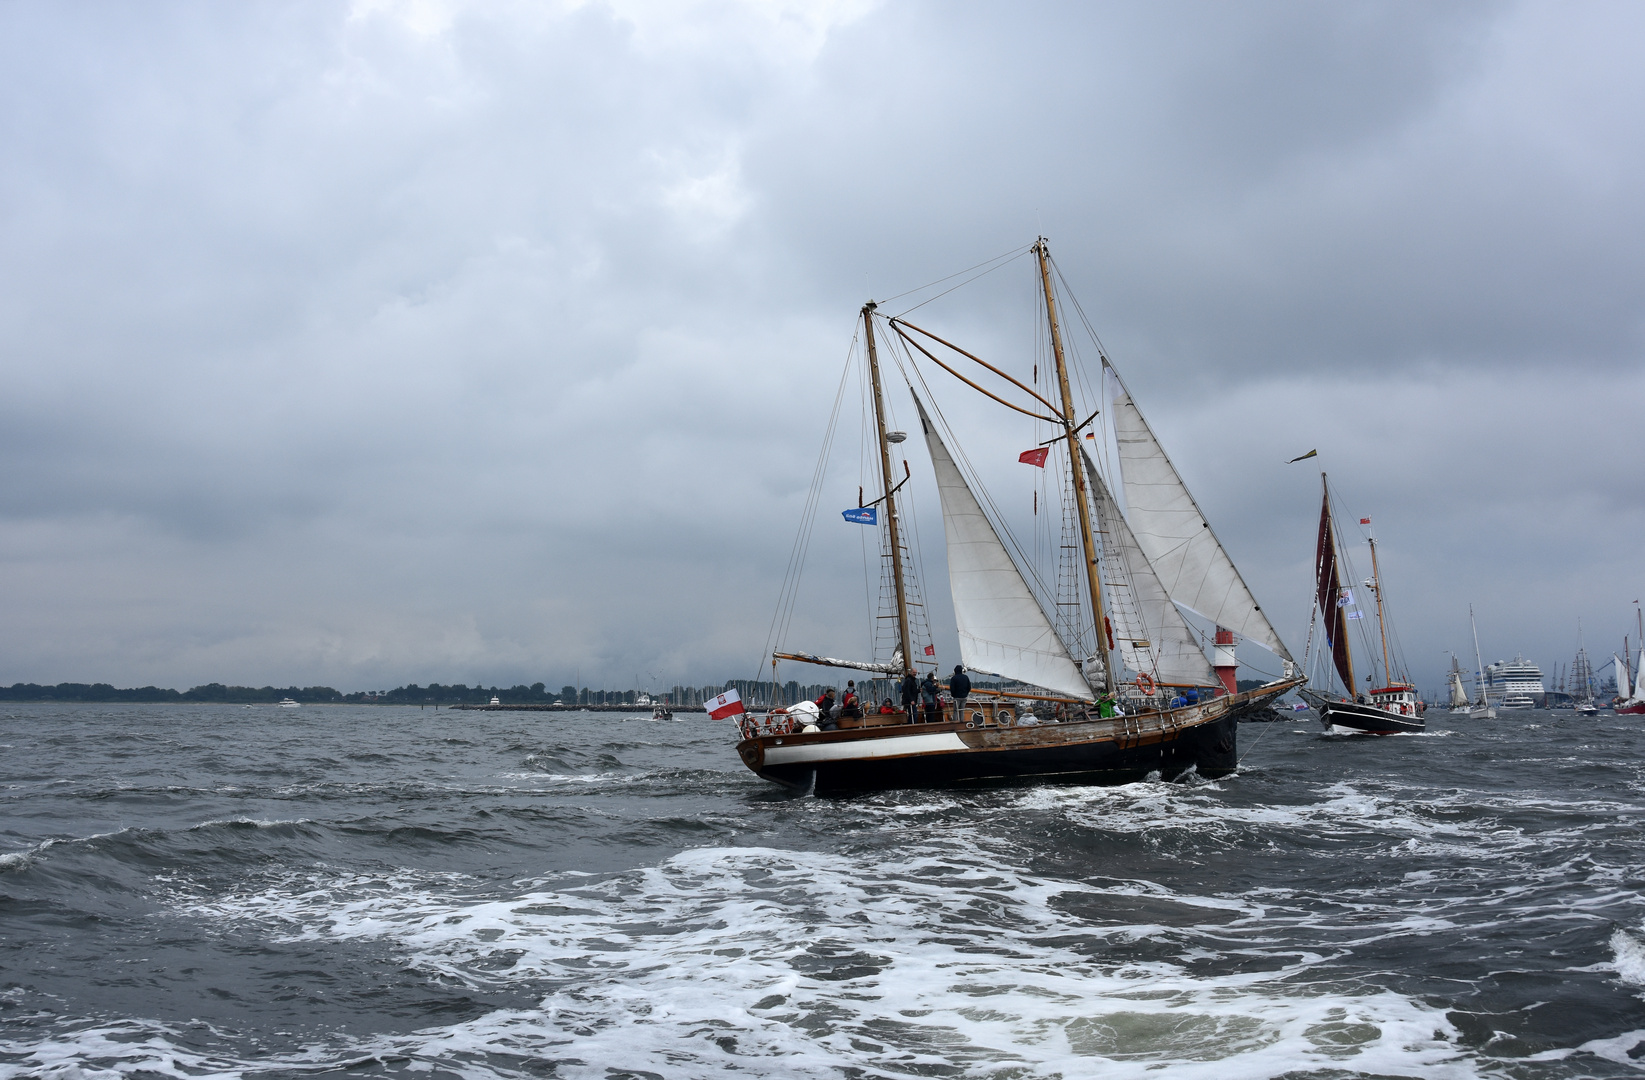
x=1382 y=627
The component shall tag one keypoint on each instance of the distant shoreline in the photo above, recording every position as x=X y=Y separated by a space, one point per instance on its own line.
x=457 y=696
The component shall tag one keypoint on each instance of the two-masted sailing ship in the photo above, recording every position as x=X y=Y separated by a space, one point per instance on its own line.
x=1389 y=709
x=1630 y=684
x=1101 y=679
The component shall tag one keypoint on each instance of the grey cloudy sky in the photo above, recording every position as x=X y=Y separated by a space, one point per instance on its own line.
x=449 y=341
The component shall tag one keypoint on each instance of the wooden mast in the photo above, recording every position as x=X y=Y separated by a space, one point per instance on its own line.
x=1382 y=628
x=890 y=487
x=1070 y=420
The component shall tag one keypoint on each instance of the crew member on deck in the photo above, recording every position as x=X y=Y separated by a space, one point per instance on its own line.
x=929 y=690
x=959 y=686
x=911 y=697
x=849 y=705
x=827 y=711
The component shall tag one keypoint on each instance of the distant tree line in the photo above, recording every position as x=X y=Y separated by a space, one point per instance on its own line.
x=215 y=693
x=756 y=694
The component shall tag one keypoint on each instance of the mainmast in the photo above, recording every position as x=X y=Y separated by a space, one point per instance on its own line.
x=1382 y=627
x=903 y=638
x=1081 y=501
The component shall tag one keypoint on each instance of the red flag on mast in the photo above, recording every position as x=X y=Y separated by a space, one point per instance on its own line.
x=1035 y=457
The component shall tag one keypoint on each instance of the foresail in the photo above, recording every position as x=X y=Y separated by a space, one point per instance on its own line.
x=1151 y=634
x=1003 y=631
x=1175 y=536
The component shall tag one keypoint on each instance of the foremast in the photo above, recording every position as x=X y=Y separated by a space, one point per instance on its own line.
x=893 y=528
x=1071 y=425
x=1330 y=596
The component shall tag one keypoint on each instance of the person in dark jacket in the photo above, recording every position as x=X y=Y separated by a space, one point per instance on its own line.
x=929 y=691
x=828 y=720
x=849 y=705
x=911 y=697
x=959 y=687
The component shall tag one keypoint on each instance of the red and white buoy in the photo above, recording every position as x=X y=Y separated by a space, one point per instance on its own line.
x=1226 y=665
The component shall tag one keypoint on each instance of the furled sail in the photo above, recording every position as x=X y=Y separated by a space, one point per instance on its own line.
x=1332 y=603
x=1003 y=630
x=1175 y=536
x=1149 y=631
x=893 y=668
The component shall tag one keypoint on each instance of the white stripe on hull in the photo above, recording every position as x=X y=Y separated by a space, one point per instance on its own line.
x=895 y=746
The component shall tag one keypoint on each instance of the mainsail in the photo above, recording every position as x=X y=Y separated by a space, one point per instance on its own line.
x=1331 y=602
x=1175 y=536
x=1149 y=631
x=1622 y=690
x=1003 y=630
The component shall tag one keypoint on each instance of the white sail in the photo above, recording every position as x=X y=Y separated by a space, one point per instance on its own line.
x=1003 y=630
x=1149 y=631
x=1175 y=536
x=1622 y=690
x=1459 y=696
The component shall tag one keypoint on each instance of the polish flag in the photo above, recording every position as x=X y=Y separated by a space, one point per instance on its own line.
x=1034 y=457
x=727 y=704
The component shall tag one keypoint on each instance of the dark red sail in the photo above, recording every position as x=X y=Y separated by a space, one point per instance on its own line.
x=1330 y=596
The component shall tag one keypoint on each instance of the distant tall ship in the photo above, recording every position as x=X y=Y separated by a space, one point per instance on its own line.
x=1453 y=683
x=1390 y=709
x=1630 y=693
x=1514 y=684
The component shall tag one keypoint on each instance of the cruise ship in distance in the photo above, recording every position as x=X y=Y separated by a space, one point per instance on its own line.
x=1514 y=684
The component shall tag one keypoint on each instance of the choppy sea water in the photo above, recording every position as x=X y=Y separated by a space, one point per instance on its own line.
x=231 y=892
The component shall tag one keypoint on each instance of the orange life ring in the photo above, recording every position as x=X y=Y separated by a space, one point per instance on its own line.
x=1144 y=677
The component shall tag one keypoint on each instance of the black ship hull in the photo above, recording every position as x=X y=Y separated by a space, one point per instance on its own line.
x=1354 y=718
x=1202 y=738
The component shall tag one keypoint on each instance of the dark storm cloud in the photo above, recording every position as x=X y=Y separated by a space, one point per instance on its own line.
x=443 y=341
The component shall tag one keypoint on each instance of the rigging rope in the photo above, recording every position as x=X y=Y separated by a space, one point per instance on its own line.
x=1007 y=258
x=789 y=594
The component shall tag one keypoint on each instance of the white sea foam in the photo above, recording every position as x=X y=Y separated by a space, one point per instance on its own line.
x=809 y=964
x=260 y=823
x=926 y=955
x=1630 y=957
x=13 y=861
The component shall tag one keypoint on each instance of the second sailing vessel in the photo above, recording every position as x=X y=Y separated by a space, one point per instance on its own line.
x=1113 y=685
x=1453 y=685
x=1390 y=709
x=1630 y=692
